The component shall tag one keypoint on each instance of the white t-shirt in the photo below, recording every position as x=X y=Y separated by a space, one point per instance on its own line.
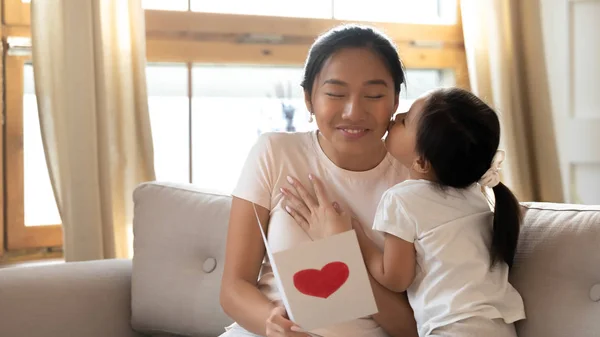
x=451 y=231
x=277 y=155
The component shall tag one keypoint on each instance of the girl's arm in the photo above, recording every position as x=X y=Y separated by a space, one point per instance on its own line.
x=394 y=314
x=319 y=218
x=394 y=268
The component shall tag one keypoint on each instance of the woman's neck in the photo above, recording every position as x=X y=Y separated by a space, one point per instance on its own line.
x=353 y=162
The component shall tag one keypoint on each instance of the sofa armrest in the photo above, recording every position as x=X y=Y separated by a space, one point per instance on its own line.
x=90 y=299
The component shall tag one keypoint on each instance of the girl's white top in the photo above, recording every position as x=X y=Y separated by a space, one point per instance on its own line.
x=452 y=233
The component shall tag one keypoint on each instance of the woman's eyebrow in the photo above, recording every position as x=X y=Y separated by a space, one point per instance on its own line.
x=369 y=82
x=376 y=82
x=335 y=81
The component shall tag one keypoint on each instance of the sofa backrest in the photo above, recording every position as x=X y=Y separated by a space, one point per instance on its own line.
x=557 y=270
x=179 y=243
x=179 y=239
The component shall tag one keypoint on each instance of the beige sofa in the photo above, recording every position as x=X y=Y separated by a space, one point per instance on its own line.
x=172 y=286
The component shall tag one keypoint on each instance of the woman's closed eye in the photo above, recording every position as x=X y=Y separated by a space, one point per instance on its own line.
x=334 y=95
x=374 y=96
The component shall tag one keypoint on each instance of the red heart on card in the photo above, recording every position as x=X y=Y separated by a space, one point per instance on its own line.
x=322 y=283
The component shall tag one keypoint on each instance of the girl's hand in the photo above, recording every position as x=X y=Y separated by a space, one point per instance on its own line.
x=278 y=325
x=318 y=217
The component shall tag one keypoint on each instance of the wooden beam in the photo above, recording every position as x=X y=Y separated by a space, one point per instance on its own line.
x=20 y=236
x=227 y=52
x=172 y=24
x=430 y=58
x=191 y=23
x=16 y=31
x=223 y=52
x=16 y=13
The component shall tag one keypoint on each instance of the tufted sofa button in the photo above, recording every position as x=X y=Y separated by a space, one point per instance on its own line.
x=595 y=293
x=209 y=265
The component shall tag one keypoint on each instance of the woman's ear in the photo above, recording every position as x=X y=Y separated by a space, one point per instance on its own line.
x=308 y=101
x=421 y=165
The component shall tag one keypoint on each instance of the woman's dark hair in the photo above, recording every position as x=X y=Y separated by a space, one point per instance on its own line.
x=351 y=36
x=459 y=135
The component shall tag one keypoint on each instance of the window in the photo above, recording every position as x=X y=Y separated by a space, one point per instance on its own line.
x=31 y=213
x=422 y=11
x=167 y=5
x=168 y=104
x=409 y=11
x=40 y=205
x=419 y=81
x=204 y=92
x=318 y=9
x=230 y=106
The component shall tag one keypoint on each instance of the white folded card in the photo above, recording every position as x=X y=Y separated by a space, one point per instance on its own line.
x=323 y=282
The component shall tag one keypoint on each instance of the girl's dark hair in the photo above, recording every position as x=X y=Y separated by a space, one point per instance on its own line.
x=351 y=36
x=459 y=135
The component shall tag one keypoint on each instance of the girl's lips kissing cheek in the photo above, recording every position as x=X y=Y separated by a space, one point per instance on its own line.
x=353 y=133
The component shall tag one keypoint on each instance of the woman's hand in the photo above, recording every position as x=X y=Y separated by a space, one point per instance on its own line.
x=318 y=217
x=278 y=325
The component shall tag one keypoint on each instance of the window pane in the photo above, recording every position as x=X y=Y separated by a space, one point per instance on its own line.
x=234 y=104
x=409 y=11
x=40 y=205
x=231 y=106
x=168 y=103
x=285 y=8
x=419 y=81
x=168 y=5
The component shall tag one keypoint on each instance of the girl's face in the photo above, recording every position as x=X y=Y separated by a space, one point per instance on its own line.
x=353 y=100
x=401 y=140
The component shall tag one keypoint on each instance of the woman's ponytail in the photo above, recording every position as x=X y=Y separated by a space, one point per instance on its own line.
x=507 y=224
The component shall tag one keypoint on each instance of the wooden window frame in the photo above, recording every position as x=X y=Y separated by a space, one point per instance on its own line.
x=194 y=37
x=2 y=159
x=19 y=236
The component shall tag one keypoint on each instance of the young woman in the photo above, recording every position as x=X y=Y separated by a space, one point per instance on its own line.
x=351 y=84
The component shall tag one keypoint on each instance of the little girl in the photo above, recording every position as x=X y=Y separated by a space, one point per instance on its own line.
x=443 y=245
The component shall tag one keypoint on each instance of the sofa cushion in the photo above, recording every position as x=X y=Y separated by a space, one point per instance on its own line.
x=179 y=243
x=88 y=299
x=556 y=268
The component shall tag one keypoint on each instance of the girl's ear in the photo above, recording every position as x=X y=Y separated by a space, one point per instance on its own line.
x=421 y=165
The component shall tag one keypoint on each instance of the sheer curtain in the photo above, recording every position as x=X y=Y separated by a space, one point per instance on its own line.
x=89 y=70
x=505 y=56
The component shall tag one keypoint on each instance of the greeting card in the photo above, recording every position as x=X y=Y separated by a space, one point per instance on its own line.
x=323 y=282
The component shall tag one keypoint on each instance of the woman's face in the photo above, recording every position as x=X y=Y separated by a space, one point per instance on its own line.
x=353 y=100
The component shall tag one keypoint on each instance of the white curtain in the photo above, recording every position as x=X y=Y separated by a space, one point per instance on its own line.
x=89 y=70
x=505 y=57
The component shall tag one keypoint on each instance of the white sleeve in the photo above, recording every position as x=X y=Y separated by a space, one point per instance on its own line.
x=391 y=217
x=255 y=183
